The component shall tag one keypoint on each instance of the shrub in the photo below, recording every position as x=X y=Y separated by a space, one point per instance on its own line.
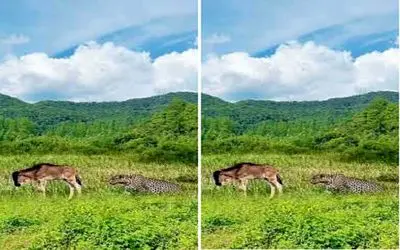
x=12 y=224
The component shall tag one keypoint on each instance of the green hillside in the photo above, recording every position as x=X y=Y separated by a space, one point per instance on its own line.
x=159 y=128
x=247 y=114
x=46 y=114
x=363 y=127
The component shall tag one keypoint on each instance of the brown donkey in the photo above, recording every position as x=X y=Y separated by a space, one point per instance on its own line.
x=40 y=173
x=243 y=172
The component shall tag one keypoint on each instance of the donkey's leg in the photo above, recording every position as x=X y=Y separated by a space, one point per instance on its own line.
x=77 y=187
x=275 y=183
x=279 y=187
x=42 y=187
x=243 y=186
x=71 y=192
x=71 y=189
x=272 y=190
x=36 y=186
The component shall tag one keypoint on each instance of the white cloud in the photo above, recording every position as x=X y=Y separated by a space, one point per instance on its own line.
x=176 y=72
x=15 y=39
x=377 y=71
x=217 y=39
x=300 y=72
x=97 y=73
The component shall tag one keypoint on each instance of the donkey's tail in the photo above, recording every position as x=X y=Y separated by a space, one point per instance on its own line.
x=278 y=177
x=78 y=179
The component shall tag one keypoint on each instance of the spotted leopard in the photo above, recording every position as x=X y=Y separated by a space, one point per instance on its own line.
x=342 y=183
x=140 y=183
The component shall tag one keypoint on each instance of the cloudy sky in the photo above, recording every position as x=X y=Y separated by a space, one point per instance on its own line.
x=299 y=50
x=97 y=50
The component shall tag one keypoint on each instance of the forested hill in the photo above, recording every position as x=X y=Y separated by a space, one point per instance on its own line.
x=160 y=128
x=49 y=113
x=363 y=127
x=247 y=114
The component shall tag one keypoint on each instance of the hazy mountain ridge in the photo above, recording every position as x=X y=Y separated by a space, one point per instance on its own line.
x=246 y=112
x=54 y=112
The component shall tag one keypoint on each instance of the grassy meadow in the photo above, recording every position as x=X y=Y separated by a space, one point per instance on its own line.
x=103 y=217
x=305 y=216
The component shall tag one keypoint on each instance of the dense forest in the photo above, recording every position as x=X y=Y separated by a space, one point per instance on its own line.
x=363 y=127
x=164 y=128
x=160 y=128
x=47 y=114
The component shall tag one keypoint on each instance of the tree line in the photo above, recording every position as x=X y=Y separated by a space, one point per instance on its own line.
x=368 y=134
x=167 y=135
x=165 y=129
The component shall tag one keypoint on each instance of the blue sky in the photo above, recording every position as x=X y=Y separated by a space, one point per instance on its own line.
x=284 y=50
x=54 y=27
x=359 y=26
x=261 y=49
x=48 y=49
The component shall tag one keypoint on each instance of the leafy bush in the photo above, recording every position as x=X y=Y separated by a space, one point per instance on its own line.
x=85 y=230
x=214 y=223
x=316 y=228
x=12 y=224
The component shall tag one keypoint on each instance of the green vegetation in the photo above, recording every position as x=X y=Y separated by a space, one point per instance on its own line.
x=103 y=217
x=161 y=128
x=305 y=216
x=356 y=136
x=46 y=114
x=155 y=137
x=361 y=127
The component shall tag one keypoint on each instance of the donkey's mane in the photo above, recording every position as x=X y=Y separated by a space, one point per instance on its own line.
x=36 y=167
x=239 y=165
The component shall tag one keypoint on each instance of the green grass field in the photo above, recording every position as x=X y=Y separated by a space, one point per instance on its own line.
x=305 y=216
x=103 y=217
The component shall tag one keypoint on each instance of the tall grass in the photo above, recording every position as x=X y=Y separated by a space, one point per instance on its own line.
x=305 y=216
x=103 y=217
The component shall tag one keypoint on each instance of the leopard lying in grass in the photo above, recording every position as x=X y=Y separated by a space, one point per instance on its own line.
x=342 y=183
x=140 y=183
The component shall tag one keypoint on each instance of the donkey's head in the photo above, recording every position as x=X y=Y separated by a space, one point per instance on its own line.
x=15 y=178
x=216 y=178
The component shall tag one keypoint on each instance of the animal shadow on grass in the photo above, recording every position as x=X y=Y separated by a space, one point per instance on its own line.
x=186 y=179
x=13 y=224
x=388 y=178
x=217 y=222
